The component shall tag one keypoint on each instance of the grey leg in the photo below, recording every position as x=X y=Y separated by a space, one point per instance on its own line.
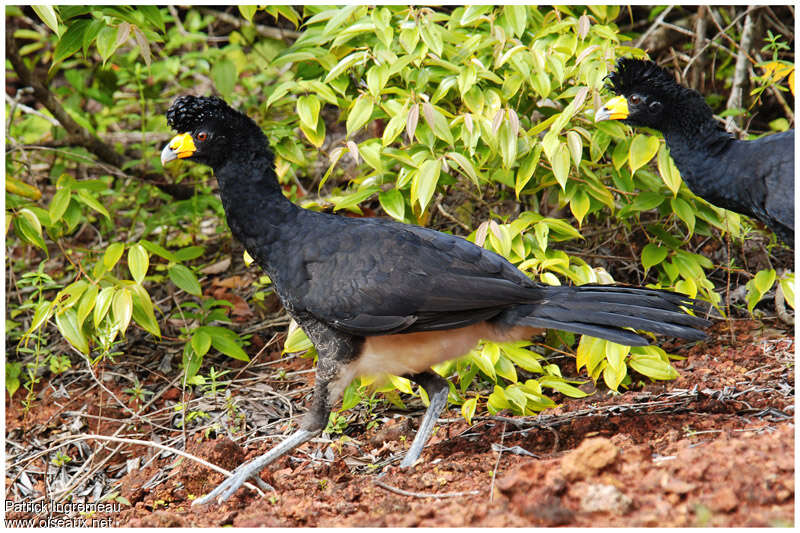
x=335 y=352
x=243 y=472
x=437 y=389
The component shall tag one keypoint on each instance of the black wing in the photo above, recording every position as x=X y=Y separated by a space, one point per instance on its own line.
x=373 y=276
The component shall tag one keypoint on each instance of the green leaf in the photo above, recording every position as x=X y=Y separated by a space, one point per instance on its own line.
x=308 y=110
x=526 y=169
x=614 y=376
x=643 y=148
x=227 y=345
x=188 y=253
x=560 y=164
x=296 y=340
x=223 y=72
x=401 y=384
x=575 y=145
x=590 y=352
x=522 y=358
x=345 y=63
x=159 y=250
x=517 y=396
x=382 y=19
x=431 y=35
x=466 y=166
x=507 y=141
x=185 y=279
x=395 y=126
x=350 y=396
x=28 y=227
x=424 y=183
x=87 y=303
x=483 y=362
x=393 y=203
x=143 y=313
x=505 y=368
x=620 y=153
x=67 y=324
x=104 y=299
x=579 y=205
x=44 y=310
x=112 y=254
x=764 y=280
x=652 y=366
x=317 y=135
x=468 y=409
x=90 y=201
x=122 y=307
x=13 y=370
x=71 y=41
x=377 y=76
x=247 y=12
x=138 y=262
x=616 y=354
x=685 y=212
x=48 y=16
x=497 y=400
x=653 y=254
x=438 y=124
x=667 y=170
x=107 y=42
x=351 y=200
x=561 y=386
x=787 y=286
x=646 y=201
x=59 y=204
x=360 y=114
x=201 y=342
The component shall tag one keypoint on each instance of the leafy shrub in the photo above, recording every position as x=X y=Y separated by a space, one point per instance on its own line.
x=418 y=111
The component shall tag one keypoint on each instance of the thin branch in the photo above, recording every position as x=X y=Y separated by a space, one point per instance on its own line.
x=653 y=27
x=75 y=132
x=402 y=492
x=497 y=463
x=122 y=440
x=741 y=70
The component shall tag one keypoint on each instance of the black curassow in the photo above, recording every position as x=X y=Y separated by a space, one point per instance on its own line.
x=754 y=178
x=376 y=296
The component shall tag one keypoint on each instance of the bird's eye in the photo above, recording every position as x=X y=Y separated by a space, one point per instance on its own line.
x=635 y=99
x=202 y=136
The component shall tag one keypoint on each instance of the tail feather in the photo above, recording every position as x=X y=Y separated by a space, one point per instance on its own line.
x=605 y=310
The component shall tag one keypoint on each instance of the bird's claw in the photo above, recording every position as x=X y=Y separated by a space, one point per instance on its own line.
x=225 y=490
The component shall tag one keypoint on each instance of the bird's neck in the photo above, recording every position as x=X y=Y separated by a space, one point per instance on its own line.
x=698 y=148
x=257 y=212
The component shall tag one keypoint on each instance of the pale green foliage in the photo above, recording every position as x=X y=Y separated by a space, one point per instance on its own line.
x=490 y=102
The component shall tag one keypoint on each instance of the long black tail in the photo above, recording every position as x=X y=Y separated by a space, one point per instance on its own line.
x=604 y=310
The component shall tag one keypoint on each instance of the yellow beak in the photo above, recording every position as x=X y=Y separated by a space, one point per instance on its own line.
x=179 y=147
x=614 y=109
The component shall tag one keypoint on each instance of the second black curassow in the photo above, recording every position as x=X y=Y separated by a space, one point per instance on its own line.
x=754 y=178
x=377 y=296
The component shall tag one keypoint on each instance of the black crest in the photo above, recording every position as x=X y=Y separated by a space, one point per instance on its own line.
x=188 y=112
x=635 y=74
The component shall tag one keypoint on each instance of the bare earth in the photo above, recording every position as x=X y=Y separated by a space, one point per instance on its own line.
x=713 y=448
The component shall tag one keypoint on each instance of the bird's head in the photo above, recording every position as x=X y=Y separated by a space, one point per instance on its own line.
x=647 y=95
x=210 y=132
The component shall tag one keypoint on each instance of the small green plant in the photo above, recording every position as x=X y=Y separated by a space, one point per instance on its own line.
x=337 y=423
x=60 y=459
x=137 y=391
x=213 y=383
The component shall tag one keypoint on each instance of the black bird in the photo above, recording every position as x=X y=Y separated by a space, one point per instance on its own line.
x=376 y=296
x=754 y=178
